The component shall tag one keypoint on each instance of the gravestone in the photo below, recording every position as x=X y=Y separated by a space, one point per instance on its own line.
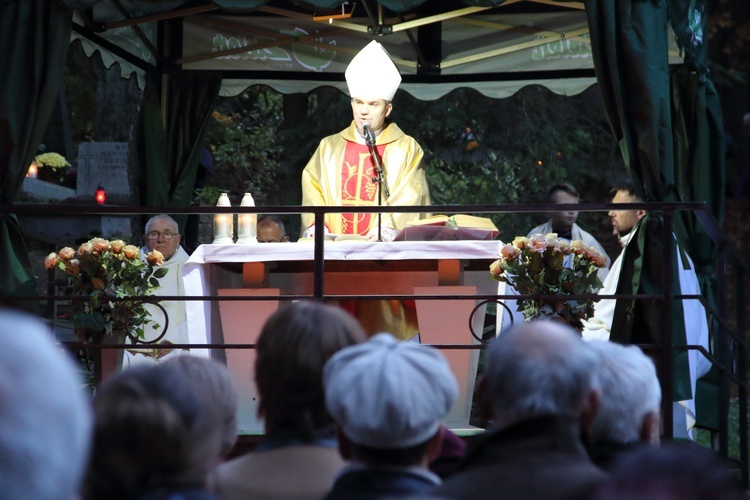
x=104 y=163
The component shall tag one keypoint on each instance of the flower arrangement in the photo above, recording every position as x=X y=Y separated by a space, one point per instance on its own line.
x=53 y=167
x=101 y=269
x=548 y=265
x=53 y=161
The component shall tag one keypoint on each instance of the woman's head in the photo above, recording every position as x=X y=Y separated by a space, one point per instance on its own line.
x=293 y=347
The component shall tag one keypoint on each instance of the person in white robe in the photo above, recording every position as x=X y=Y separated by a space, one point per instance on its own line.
x=599 y=326
x=563 y=223
x=162 y=234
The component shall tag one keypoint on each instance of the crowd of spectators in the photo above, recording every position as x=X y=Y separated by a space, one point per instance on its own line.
x=346 y=416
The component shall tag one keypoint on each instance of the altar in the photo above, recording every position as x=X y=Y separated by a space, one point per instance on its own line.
x=270 y=274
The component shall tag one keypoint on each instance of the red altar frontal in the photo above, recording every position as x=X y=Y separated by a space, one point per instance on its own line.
x=279 y=270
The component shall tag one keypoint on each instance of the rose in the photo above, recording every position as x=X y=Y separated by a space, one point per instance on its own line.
x=564 y=247
x=155 y=258
x=51 y=261
x=67 y=253
x=553 y=242
x=509 y=252
x=116 y=246
x=496 y=268
x=537 y=243
x=599 y=260
x=595 y=257
x=85 y=248
x=100 y=245
x=72 y=267
x=577 y=246
x=130 y=251
x=520 y=242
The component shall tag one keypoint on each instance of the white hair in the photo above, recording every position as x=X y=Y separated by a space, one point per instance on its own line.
x=173 y=224
x=539 y=368
x=45 y=418
x=630 y=390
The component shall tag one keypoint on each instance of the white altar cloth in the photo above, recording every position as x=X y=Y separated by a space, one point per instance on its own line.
x=198 y=277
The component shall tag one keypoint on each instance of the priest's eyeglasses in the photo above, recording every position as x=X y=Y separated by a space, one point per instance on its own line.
x=154 y=235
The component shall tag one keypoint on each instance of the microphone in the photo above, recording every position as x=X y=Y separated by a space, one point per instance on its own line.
x=369 y=134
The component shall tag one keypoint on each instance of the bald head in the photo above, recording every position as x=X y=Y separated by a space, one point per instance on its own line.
x=271 y=230
x=536 y=368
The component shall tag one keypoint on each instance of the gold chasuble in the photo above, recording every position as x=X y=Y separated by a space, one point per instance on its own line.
x=341 y=173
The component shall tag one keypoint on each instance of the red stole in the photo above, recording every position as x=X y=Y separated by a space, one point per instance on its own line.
x=357 y=186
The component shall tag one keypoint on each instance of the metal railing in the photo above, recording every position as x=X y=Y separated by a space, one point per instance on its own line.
x=729 y=354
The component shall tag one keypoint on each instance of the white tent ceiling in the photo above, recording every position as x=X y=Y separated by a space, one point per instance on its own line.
x=488 y=49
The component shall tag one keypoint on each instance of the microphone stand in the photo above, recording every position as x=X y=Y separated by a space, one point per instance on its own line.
x=380 y=179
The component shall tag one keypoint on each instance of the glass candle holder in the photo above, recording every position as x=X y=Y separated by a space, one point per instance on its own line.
x=223 y=223
x=247 y=224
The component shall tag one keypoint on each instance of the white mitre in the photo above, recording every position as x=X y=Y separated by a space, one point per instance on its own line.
x=372 y=74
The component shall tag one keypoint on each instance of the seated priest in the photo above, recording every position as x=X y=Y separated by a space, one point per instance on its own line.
x=626 y=224
x=162 y=234
x=342 y=171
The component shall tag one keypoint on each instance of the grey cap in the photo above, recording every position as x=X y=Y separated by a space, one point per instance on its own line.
x=388 y=394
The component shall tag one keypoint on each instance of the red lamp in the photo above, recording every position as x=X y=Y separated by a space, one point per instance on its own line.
x=100 y=195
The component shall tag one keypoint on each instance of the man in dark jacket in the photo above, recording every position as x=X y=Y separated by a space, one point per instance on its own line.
x=540 y=391
x=388 y=399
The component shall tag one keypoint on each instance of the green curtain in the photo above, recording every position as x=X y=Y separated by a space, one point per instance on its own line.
x=34 y=38
x=669 y=127
x=700 y=162
x=169 y=151
x=629 y=44
x=698 y=135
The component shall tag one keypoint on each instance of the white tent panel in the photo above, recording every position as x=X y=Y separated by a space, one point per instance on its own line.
x=422 y=91
x=475 y=45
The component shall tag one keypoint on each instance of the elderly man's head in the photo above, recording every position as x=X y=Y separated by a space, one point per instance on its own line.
x=630 y=407
x=45 y=418
x=271 y=230
x=540 y=368
x=162 y=234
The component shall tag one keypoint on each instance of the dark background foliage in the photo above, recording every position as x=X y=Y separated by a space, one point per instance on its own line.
x=478 y=151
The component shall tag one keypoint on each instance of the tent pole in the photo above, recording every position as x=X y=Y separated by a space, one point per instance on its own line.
x=160 y=17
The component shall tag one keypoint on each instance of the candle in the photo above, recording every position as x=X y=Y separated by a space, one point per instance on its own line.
x=223 y=223
x=247 y=224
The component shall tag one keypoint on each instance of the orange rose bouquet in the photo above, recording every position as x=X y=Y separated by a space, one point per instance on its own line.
x=547 y=265
x=100 y=270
